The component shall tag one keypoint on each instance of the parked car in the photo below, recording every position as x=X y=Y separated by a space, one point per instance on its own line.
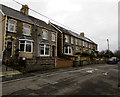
x=113 y=60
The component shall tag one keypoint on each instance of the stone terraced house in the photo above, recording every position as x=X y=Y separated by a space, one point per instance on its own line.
x=26 y=40
x=72 y=45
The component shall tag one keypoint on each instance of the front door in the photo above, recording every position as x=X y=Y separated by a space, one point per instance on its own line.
x=9 y=48
x=53 y=51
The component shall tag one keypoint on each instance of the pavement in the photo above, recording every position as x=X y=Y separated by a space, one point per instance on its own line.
x=7 y=71
x=11 y=74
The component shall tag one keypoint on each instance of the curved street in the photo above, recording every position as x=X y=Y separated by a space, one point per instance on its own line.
x=99 y=79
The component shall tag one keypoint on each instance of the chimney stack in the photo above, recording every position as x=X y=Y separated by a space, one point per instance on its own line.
x=25 y=9
x=82 y=34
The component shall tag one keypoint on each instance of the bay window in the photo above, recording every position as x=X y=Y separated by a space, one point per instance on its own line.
x=26 y=46
x=44 y=50
x=68 y=50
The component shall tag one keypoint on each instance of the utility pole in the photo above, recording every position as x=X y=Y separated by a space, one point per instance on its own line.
x=108 y=48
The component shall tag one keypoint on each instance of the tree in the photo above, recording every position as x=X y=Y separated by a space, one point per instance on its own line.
x=109 y=53
x=117 y=53
x=101 y=54
x=105 y=54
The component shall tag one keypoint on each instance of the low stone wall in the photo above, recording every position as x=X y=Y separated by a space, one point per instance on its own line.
x=40 y=64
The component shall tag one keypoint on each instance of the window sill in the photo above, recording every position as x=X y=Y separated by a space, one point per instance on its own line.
x=24 y=52
x=26 y=35
x=67 y=53
x=44 y=55
x=11 y=32
x=45 y=38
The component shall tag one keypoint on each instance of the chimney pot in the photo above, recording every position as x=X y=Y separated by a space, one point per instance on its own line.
x=25 y=9
x=82 y=34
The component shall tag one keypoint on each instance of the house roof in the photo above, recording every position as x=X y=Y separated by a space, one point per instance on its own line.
x=41 y=23
x=64 y=30
x=15 y=14
x=23 y=17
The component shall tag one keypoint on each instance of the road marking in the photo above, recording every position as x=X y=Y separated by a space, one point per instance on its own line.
x=46 y=74
x=105 y=73
x=90 y=71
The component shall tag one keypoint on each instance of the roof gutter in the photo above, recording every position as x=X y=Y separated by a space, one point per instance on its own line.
x=55 y=27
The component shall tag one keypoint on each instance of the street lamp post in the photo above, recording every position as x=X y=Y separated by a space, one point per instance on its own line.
x=108 y=48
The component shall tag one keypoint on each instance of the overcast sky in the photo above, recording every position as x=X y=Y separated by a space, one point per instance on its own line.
x=98 y=19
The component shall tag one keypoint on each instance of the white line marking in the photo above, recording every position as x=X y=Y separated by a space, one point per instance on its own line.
x=90 y=71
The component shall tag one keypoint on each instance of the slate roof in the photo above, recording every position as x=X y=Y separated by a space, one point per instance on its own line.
x=15 y=14
x=25 y=18
x=64 y=30
x=41 y=23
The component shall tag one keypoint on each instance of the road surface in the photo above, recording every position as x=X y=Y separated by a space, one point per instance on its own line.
x=89 y=80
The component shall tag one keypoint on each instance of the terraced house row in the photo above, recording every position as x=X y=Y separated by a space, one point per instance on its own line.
x=24 y=38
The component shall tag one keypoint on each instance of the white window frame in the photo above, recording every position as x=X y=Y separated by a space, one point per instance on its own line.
x=80 y=42
x=88 y=45
x=46 y=34
x=53 y=35
x=68 y=47
x=28 y=29
x=76 y=41
x=66 y=39
x=11 y=24
x=83 y=43
x=25 y=44
x=72 y=40
x=44 y=45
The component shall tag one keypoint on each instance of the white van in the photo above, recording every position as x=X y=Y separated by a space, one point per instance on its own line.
x=113 y=60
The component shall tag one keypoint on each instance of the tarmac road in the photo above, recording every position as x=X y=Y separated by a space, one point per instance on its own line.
x=88 y=80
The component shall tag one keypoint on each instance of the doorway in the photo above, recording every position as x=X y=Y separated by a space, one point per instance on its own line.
x=9 y=48
x=53 y=51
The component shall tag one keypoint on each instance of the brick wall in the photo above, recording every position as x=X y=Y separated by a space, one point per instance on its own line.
x=61 y=63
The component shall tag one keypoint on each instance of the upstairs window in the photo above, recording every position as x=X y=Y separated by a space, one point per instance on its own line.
x=44 y=50
x=11 y=25
x=53 y=37
x=44 y=34
x=68 y=50
x=83 y=43
x=66 y=39
x=26 y=29
x=72 y=40
x=89 y=45
x=76 y=41
x=80 y=42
